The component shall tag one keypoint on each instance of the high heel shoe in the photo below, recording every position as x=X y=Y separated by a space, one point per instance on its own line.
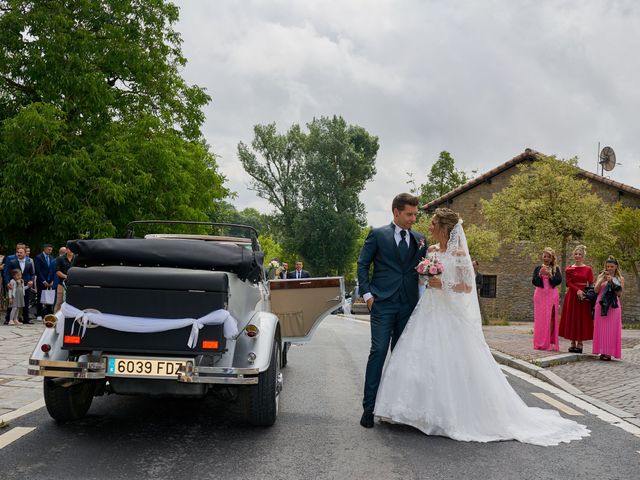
x=578 y=350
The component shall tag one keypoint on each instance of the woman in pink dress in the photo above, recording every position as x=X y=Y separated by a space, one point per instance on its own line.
x=607 y=326
x=546 y=300
x=576 y=322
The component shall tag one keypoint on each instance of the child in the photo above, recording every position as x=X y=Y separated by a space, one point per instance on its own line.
x=16 y=296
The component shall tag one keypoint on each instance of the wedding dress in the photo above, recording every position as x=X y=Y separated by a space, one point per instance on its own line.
x=442 y=379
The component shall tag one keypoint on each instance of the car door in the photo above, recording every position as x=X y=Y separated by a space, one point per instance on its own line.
x=302 y=304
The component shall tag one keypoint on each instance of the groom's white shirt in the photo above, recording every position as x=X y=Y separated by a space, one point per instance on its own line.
x=398 y=239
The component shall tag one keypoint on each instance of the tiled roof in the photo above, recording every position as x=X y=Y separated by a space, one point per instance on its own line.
x=527 y=155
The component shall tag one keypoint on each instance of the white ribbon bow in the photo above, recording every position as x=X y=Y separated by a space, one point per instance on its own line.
x=123 y=323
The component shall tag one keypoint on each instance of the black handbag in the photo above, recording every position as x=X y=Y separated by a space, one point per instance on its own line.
x=590 y=295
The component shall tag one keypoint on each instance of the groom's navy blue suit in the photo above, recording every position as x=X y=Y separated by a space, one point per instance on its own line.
x=394 y=286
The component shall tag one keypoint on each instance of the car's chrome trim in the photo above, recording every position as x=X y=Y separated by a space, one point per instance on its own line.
x=97 y=370
x=66 y=369
x=222 y=375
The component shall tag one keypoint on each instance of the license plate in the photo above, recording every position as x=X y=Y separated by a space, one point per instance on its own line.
x=146 y=367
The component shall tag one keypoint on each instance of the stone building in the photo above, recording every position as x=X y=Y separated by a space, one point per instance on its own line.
x=507 y=292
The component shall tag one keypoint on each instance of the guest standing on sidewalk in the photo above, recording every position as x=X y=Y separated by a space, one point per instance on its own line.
x=576 y=322
x=607 y=325
x=546 y=300
x=63 y=264
x=16 y=296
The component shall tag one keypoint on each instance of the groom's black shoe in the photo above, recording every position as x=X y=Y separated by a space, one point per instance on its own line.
x=367 y=420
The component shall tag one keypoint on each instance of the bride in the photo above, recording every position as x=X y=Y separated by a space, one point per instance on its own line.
x=441 y=377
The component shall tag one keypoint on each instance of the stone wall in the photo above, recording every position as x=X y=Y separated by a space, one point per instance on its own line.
x=514 y=291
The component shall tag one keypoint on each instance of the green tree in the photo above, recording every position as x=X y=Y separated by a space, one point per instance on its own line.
x=619 y=235
x=98 y=60
x=545 y=205
x=313 y=179
x=442 y=178
x=275 y=163
x=97 y=119
x=484 y=244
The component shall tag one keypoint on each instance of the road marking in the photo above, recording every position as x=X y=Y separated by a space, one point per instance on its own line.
x=351 y=319
x=31 y=407
x=575 y=401
x=13 y=435
x=555 y=403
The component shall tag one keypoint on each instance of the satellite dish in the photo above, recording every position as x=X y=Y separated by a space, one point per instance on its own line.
x=607 y=159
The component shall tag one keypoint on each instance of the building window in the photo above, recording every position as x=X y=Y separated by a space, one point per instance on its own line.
x=488 y=289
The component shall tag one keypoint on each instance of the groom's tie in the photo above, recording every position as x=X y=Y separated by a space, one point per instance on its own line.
x=403 y=248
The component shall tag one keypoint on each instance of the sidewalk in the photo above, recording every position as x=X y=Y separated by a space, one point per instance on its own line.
x=18 y=389
x=615 y=384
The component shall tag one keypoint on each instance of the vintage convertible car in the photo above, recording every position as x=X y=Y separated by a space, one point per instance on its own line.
x=183 y=315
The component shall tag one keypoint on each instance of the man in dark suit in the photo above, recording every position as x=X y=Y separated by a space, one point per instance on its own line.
x=45 y=265
x=283 y=271
x=24 y=263
x=298 y=272
x=392 y=293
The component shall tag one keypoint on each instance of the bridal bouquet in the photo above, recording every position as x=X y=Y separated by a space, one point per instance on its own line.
x=274 y=265
x=429 y=266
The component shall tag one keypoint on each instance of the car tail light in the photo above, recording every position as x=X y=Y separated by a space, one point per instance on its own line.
x=73 y=339
x=210 y=344
x=50 y=320
x=251 y=331
x=45 y=347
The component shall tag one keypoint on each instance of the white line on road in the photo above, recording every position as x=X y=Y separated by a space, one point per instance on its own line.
x=13 y=435
x=577 y=402
x=31 y=407
x=555 y=403
x=351 y=319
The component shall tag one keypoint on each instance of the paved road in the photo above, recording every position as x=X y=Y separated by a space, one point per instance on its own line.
x=317 y=435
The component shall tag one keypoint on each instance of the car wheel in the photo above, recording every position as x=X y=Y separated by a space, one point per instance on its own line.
x=68 y=403
x=264 y=398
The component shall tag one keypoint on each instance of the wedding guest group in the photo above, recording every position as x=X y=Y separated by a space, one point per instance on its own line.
x=37 y=276
x=576 y=322
x=546 y=301
x=24 y=265
x=607 y=326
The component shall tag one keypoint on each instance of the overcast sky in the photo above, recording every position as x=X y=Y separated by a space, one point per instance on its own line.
x=480 y=79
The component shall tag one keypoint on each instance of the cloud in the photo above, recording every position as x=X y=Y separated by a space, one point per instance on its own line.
x=483 y=80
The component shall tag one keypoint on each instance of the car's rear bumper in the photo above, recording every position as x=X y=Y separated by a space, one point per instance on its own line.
x=96 y=370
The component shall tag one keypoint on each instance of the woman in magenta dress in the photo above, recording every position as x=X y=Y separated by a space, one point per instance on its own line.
x=546 y=300
x=576 y=322
x=607 y=325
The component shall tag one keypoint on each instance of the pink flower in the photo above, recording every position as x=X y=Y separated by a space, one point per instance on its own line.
x=433 y=270
x=421 y=268
x=440 y=268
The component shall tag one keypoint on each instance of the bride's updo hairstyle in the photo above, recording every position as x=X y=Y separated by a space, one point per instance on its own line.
x=446 y=218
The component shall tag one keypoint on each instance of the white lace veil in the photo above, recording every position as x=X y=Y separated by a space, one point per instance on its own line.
x=459 y=278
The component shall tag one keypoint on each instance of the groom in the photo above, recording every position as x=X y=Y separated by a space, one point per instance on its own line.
x=392 y=293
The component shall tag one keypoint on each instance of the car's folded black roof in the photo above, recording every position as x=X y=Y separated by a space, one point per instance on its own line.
x=174 y=253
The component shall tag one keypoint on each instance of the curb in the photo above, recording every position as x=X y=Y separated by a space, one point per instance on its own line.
x=553 y=379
